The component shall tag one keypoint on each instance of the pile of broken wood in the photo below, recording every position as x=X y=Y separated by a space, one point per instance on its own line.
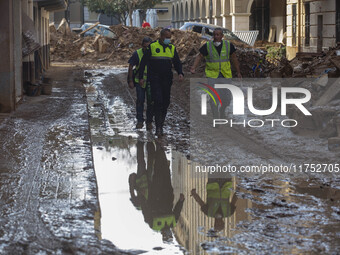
x=66 y=46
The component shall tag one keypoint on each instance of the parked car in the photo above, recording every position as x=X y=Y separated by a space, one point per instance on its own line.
x=99 y=29
x=206 y=30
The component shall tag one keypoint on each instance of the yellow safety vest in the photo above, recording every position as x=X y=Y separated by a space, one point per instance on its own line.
x=159 y=223
x=160 y=52
x=218 y=197
x=140 y=56
x=218 y=63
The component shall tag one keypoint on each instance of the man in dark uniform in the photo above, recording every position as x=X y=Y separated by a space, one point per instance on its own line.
x=155 y=194
x=160 y=56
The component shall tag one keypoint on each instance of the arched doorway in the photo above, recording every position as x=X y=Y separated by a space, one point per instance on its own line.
x=173 y=17
x=217 y=13
x=181 y=17
x=191 y=13
x=197 y=12
x=186 y=12
x=177 y=16
x=260 y=18
x=203 y=12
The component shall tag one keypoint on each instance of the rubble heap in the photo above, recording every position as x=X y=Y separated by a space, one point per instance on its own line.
x=254 y=62
x=117 y=50
x=312 y=65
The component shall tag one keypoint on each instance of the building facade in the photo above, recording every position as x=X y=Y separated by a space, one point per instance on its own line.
x=303 y=25
x=77 y=14
x=312 y=26
x=24 y=46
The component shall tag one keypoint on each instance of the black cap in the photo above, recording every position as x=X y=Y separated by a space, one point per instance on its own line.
x=146 y=39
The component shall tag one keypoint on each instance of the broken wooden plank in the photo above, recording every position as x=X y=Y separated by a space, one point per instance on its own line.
x=89 y=28
x=107 y=57
x=330 y=93
x=95 y=39
x=76 y=40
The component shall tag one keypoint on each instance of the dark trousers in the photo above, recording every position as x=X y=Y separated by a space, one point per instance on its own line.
x=218 y=110
x=141 y=92
x=160 y=93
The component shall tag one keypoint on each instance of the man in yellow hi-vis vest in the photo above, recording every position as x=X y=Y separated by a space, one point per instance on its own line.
x=219 y=204
x=218 y=54
x=152 y=192
x=160 y=56
x=141 y=90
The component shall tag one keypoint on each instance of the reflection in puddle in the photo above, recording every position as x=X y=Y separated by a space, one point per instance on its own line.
x=138 y=216
x=151 y=200
x=151 y=190
x=146 y=205
x=211 y=210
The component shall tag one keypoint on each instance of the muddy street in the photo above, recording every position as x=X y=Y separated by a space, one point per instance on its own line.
x=78 y=178
x=142 y=179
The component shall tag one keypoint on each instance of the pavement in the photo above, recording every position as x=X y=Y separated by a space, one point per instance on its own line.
x=48 y=189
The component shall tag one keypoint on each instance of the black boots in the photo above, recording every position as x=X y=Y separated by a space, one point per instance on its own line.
x=159 y=131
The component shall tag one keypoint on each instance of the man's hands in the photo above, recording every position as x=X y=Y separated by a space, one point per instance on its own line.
x=193 y=192
x=196 y=62
x=181 y=197
x=141 y=82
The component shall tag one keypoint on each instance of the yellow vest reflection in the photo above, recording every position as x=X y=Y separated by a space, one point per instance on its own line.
x=226 y=210
x=151 y=190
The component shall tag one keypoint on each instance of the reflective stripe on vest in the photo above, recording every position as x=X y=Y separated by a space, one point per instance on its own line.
x=140 y=56
x=159 y=52
x=159 y=223
x=218 y=63
x=217 y=197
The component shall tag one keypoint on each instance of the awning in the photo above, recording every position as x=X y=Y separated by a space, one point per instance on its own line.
x=29 y=36
x=52 y=5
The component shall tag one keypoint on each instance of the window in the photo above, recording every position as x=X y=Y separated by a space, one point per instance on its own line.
x=294 y=24
x=307 y=24
x=197 y=29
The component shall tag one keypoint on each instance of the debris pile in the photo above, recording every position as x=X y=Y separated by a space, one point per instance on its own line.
x=254 y=62
x=117 y=50
x=316 y=64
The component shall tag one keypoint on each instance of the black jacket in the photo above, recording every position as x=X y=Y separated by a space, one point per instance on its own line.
x=159 y=67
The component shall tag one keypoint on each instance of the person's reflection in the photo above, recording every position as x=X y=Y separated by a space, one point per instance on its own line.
x=218 y=203
x=154 y=193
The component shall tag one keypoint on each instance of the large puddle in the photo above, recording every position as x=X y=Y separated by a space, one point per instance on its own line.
x=151 y=202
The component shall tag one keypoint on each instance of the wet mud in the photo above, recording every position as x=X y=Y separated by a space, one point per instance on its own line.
x=77 y=178
x=47 y=182
x=152 y=202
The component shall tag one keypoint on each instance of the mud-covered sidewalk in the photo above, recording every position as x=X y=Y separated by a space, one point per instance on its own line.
x=48 y=189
